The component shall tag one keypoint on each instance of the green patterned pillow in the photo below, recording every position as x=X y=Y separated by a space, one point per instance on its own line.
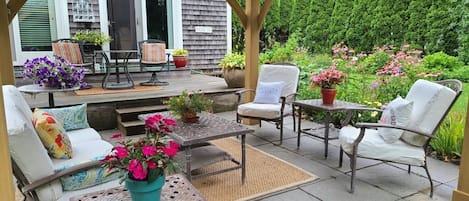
x=73 y=117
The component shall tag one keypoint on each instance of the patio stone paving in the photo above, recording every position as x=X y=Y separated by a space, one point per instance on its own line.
x=374 y=181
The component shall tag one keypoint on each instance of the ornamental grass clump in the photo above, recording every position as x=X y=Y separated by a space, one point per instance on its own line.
x=328 y=79
x=148 y=157
x=57 y=72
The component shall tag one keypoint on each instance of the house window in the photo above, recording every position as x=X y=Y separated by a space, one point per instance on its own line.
x=83 y=11
x=35 y=24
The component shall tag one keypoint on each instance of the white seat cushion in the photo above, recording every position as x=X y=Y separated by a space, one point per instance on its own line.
x=82 y=135
x=269 y=111
x=84 y=152
x=373 y=146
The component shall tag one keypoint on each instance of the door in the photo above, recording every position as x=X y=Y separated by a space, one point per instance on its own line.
x=157 y=20
x=122 y=27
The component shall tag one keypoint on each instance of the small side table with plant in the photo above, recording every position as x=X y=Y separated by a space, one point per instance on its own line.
x=233 y=69
x=180 y=58
x=186 y=106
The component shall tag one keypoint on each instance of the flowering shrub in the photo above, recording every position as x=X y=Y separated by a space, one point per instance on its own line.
x=328 y=78
x=148 y=157
x=54 y=73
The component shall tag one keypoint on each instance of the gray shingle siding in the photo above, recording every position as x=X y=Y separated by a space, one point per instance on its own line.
x=205 y=49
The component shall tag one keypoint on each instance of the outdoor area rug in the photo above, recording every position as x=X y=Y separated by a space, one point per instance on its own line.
x=264 y=174
x=98 y=90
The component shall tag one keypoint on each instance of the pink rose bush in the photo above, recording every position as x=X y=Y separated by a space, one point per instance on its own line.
x=148 y=157
x=327 y=79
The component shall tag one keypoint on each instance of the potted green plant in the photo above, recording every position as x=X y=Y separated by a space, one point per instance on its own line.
x=186 y=106
x=180 y=57
x=91 y=40
x=233 y=69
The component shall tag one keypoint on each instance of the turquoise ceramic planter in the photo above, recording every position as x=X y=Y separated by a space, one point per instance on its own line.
x=143 y=191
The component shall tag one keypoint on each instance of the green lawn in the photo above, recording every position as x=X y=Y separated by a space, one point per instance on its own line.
x=461 y=104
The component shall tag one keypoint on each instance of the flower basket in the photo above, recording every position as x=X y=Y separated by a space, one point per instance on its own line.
x=54 y=73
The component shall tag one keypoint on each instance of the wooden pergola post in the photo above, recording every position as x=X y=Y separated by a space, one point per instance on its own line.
x=462 y=192
x=252 y=22
x=6 y=77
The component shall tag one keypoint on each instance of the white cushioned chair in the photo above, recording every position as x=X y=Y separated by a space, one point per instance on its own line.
x=431 y=103
x=288 y=75
x=40 y=177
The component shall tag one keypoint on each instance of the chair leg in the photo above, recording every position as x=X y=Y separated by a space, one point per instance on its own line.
x=238 y=120
x=408 y=170
x=341 y=156
x=429 y=178
x=353 y=166
x=281 y=131
x=260 y=123
x=294 y=123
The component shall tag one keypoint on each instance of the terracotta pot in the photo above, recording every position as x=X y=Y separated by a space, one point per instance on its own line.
x=189 y=118
x=328 y=96
x=180 y=61
x=234 y=78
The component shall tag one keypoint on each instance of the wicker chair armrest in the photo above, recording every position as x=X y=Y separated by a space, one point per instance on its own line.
x=57 y=175
x=380 y=125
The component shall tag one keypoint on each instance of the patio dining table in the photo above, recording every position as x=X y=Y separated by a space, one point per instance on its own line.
x=121 y=60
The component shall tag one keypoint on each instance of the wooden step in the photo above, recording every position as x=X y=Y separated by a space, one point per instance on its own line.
x=142 y=109
x=131 y=114
x=131 y=127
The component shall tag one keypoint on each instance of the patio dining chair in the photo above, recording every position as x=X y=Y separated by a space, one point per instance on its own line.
x=153 y=57
x=405 y=128
x=274 y=94
x=72 y=51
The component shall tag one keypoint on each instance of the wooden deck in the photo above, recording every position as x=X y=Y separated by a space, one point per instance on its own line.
x=101 y=107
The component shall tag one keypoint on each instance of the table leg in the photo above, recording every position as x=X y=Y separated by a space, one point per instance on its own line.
x=188 y=162
x=51 y=100
x=326 y=133
x=299 y=127
x=118 y=80
x=243 y=159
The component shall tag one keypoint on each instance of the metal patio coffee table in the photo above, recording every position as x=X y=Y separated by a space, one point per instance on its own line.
x=193 y=137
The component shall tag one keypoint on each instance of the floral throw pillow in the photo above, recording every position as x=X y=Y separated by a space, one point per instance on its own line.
x=73 y=117
x=52 y=135
x=397 y=112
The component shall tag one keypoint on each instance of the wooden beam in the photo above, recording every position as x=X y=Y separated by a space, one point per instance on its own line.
x=239 y=11
x=6 y=189
x=462 y=192
x=252 y=46
x=6 y=63
x=264 y=10
x=14 y=6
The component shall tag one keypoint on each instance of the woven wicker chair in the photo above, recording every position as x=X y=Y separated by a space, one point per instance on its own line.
x=431 y=102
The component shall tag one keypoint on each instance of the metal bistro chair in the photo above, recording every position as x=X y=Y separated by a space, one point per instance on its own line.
x=430 y=103
x=153 y=56
x=72 y=51
x=287 y=74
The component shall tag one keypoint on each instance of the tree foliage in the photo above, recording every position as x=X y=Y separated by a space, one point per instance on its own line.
x=432 y=26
